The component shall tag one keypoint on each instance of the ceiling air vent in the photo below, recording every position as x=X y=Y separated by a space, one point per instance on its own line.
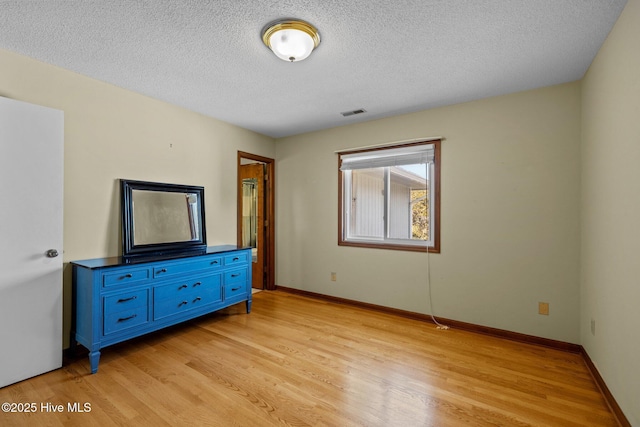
x=354 y=112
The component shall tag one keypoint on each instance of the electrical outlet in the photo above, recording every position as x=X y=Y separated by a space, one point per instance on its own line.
x=593 y=326
x=333 y=276
x=543 y=308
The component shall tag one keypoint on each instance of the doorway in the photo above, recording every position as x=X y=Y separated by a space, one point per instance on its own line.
x=256 y=216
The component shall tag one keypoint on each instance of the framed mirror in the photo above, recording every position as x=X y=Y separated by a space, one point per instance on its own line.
x=160 y=219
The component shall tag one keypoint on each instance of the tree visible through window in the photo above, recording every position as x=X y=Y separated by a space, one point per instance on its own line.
x=389 y=197
x=419 y=215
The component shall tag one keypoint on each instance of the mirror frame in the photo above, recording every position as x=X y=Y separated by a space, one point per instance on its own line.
x=129 y=246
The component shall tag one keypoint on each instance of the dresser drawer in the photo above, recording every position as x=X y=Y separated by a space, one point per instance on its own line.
x=177 y=290
x=125 y=319
x=125 y=301
x=233 y=276
x=125 y=276
x=169 y=269
x=176 y=298
x=238 y=258
x=235 y=290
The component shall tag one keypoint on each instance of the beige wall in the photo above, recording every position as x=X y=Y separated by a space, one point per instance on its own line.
x=111 y=133
x=610 y=279
x=510 y=215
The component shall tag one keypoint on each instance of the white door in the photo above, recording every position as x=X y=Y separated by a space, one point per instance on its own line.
x=31 y=185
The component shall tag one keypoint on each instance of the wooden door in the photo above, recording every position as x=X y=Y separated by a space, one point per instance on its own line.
x=31 y=186
x=253 y=218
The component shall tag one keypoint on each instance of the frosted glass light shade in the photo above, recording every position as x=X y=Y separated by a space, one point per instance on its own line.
x=291 y=40
x=291 y=45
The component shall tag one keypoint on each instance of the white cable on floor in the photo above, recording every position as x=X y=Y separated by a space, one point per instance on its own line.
x=438 y=325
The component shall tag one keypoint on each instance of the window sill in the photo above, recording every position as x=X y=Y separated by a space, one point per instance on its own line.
x=396 y=247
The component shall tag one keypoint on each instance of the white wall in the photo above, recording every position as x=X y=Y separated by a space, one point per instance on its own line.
x=610 y=279
x=510 y=215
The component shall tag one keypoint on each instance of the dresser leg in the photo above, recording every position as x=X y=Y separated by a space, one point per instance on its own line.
x=248 y=306
x=94 y=358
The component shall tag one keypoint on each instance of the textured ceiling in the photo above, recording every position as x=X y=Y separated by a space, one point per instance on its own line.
x=386 y=56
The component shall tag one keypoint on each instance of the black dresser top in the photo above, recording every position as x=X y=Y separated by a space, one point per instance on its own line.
x=119 y=260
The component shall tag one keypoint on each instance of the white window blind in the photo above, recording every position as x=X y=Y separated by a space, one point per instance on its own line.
x=419 y=154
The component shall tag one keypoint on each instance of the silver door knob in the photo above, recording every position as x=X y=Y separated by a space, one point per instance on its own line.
x=52 y=253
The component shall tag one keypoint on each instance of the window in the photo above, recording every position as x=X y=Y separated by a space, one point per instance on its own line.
x=389 y=197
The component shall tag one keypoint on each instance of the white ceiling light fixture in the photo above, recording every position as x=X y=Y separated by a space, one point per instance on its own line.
x=291 y=39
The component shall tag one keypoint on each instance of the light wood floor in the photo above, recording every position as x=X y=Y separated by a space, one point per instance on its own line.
x=303 y=362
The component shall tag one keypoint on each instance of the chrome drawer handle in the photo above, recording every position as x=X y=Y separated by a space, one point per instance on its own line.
x=197 y=299
x=182 y=287
x=215 y=262
x=127 y=276
x=197 y=284
x=124 y=319
x=235 y=275
x=235 y=289
x=183 y=303
x=236 y=259
x=162 y=270
x=127 y=299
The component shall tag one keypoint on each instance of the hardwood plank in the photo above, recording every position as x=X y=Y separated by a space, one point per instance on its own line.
x=299 y=361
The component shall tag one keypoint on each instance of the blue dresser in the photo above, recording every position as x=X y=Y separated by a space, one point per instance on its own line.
x=118 y=298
